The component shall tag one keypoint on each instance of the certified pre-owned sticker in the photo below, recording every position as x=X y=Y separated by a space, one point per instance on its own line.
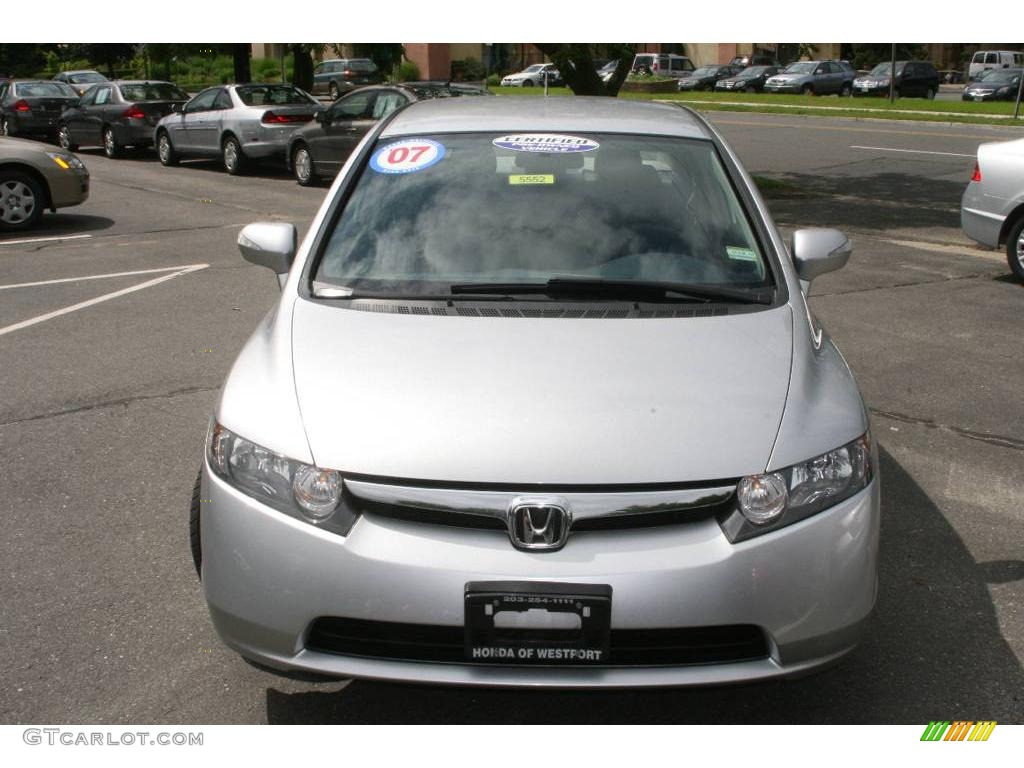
x=545 y=142
x=406 y=156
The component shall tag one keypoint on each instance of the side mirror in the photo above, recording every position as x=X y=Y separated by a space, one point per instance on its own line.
x=817 y=251
x=271 y=245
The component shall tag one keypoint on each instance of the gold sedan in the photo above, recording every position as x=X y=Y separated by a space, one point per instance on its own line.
x=34 y=177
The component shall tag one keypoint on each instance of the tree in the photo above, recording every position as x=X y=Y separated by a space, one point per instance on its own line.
x=302 y=72
x=576 y=63
x=23 y=59
x=110 y=55
x=240 y=52
x=866 y=55
x=387 y=56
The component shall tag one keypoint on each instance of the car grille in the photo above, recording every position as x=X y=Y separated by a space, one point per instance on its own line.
x=628 y=647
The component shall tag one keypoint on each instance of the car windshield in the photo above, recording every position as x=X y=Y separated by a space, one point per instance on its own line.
x=534 y=68
x=1000 y=75
x=261 y=95
x=48 y=88
x=801 y=68
x=883 y=69
x=152 y=92
x=87 y=77
x=752 y=72
x=360 y=65
x=705 y=71
x=431 y=211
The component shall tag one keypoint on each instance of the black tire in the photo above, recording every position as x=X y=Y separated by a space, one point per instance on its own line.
x=194 y=536
x=929 y=93
x=1015 y=248
x=303 y=168
x=333 y=92
x=232 y=155
x=110 y=146
x=64 y=138
x=807 y=90
x=750 y=89
x=527 y=83
x=165 y=149
x=846 y=90
x=22 y=200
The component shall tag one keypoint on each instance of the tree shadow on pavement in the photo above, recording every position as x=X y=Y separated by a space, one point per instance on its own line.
x=934 y=651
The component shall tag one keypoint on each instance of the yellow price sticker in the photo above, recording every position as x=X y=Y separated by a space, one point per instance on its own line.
x=532 y=178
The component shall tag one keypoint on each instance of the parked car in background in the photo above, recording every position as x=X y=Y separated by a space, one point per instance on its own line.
x=704 y=78
x=750 y=80
x=662 y=64
x=754 y=60
x=337 y=76
x=118 y=114
x=606 y=72
x=994 y=85
x=913 y=78
x=33 y=107
x=80 y=80
x=992 y=207
x=731 y=536
x=533 y=75
x=983 y=60
x=813 y=78
x=239 y=123
x=34 y=177
x=319 y=149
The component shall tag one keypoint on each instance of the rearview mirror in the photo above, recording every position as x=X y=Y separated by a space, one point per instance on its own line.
x=817 y=251
x=271 y=245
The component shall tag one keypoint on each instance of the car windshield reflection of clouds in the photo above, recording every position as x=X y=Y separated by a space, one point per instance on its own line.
x=634 y=208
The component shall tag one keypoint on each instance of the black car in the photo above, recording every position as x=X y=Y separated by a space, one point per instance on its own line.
x=704 y=78
x=994 y=85
x=749 y=80
x=33 y=107
x=321 y=148
x=913 y=78
x=118 y=114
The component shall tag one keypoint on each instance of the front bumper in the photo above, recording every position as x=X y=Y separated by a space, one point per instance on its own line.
x=784 y=88
x=810 y=587
x=68 y=187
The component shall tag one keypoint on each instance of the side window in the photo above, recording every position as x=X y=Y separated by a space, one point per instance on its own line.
x=3 y=91
x=991 y=58
x=88 y=97
x=223 y=100
x=319 y=69
x=203 y=101
x=102 y=96
x=663 y=63
x=386 y=103
x=354 y=107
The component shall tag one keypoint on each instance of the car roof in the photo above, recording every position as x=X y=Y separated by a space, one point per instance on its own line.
x=583 y=114
x=141 y=82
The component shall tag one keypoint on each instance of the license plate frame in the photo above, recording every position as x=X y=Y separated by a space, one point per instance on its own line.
x=486 y=643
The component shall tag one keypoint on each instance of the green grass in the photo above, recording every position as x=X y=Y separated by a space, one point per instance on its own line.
x=983 y=113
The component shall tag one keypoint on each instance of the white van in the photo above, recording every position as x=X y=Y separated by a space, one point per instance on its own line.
x=983 y=60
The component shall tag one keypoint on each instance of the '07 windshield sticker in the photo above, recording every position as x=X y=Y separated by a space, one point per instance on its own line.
x=406 y=156
x=545 y=142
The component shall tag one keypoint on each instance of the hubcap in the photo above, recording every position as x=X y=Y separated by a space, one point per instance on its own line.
x=16 y=202
x=64 y=137
x=230 y=155
x=108 y=142
x=165 y=148
x=3 y=127
x=303 y=166
x=1020 y=249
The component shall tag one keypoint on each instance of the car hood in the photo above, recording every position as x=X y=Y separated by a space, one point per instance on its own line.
x=548 y=401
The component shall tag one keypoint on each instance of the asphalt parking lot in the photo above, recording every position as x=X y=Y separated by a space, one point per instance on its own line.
x=120 y=318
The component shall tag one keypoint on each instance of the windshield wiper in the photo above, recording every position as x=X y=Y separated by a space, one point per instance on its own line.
x=600 y=288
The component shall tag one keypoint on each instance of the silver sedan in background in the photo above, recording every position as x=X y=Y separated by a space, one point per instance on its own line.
x=992 y=208
x=239 y=123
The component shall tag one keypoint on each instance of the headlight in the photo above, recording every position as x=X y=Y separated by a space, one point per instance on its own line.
x=66 y=160
x=309 y=493
x=1003 y=91
x=776 y=499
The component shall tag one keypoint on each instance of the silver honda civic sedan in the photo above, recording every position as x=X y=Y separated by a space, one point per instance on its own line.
x=541 y=404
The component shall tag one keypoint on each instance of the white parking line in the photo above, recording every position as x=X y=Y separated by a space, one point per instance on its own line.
x=190 y=267
x=43 y=239
x=105 y=297
x=912 y=151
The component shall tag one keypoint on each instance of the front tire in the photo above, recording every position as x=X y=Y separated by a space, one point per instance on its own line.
x=194 y=535
x=165 y=150
x=527 y=83
x=930 y=93
x=64 y=138
x=1015 y=249
x=22 y=199
x=110 y=146
x=807 y=90
x=302 y=166
x=234 y=158
x=5 y=127
x=846 y=90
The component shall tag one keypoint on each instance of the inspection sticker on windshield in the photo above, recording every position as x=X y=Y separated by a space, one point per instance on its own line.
x=406 y=156
x=740 y=254
x=545 y=142
x=531 y=178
